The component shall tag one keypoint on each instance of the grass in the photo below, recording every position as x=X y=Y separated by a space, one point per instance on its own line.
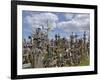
x=84 y=61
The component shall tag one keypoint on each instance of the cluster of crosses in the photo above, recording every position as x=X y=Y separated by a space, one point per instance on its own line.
x=42 y=52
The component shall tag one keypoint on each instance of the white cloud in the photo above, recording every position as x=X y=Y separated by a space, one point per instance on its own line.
x=41 y=20
x=68 y=26
x=74 y=22
x=83 y=21
x=69 y=16
x=77 y=22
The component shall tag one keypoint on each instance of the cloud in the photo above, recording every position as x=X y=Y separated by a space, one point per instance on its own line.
x=77 y=22
x=68 y=26
x=73 y=22
x=69 y=16
x=42 y=20
x=83 y=21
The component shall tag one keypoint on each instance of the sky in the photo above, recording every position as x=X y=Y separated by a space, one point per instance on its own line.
x=62 y=23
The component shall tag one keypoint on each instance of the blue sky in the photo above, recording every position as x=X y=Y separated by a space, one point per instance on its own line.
x=60 y=23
